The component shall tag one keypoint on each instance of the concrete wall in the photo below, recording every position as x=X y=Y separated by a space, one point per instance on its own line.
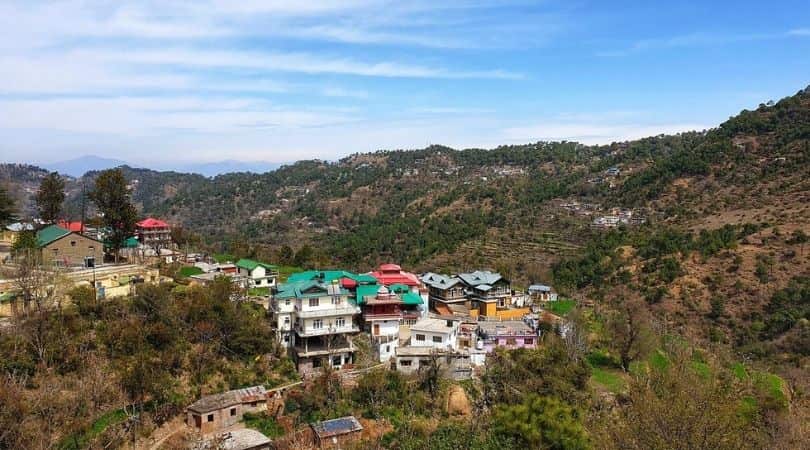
x=214 y=421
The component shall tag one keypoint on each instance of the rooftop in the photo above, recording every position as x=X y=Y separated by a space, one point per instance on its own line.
x=49 y=234
x=505 y=328
x=439 y=281
x=434 y=325
x=151 y=222
x=389 y=274
x=226 y=399
x=480 y=277
x=243 y=439
x=250 y=264
x=336 y=427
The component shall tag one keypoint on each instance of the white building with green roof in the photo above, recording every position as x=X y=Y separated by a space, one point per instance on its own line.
x=258 y=274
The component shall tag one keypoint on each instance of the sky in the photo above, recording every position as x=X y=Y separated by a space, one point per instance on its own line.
x=209 y=80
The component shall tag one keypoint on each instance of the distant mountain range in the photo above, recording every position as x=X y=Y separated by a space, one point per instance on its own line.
x=79 y=166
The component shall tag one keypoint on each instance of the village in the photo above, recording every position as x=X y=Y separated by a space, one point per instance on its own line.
x=413 y=321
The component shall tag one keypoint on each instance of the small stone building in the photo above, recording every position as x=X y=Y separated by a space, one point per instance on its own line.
x=335 y=433
x=215 y=412
x=68 y=249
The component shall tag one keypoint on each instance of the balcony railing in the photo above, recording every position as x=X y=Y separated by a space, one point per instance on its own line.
x=316 y=349
x=310 y=332
x=327 y=312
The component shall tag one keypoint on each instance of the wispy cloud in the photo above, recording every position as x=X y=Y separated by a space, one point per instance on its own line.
x=700 y=39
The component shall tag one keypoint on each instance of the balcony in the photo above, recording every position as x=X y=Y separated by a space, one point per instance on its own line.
x=320 y=348
x=346 y=310
x=325 y=331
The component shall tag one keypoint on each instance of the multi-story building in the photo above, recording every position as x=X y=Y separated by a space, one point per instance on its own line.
x=444 y=291
x=317 y=321
x=154 y=234
x=487 y=291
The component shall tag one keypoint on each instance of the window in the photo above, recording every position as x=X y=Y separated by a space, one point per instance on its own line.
x=233 y=412
x=437 y=339
x=336 y=360
x=528 y=341
x=286 y=321
x=420 y=338
x=317 y=324
x=340 y=322
x=210 y=418
x=511 y=341
x=287 y=302
x=335 y=300
x=387 y=349
x=316 y=362
x=314 y=302
x=405 y=363
x=72 y=243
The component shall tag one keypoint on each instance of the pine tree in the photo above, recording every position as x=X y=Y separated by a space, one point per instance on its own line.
x=112 y=199
x=50 y=197
x=7 y=208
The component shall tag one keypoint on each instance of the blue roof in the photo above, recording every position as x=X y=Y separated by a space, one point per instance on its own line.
x=336 y=427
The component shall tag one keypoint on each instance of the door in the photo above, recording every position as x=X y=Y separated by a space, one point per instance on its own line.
x=376 y=329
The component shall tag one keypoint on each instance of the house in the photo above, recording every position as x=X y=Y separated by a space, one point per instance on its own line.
x=316 y=320
x=336 y=433
x=209 y=277
x=542 y=293
x=388 y=274
x=386 y=312
x=435 y=333
x=487 y=291
x=258 y=274
x=65 y=248
x=508 y=334
x=456 y=364
x=154 y=233
x=216 y=412
x=444 y=290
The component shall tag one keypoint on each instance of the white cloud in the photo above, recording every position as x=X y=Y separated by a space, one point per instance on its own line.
x=701 y=39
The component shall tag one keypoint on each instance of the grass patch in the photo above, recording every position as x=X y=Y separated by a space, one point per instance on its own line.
x=599 y=358
x=284 y=272
x=561 y=307
x=738 y=369
x=264 y=424
x=702 y=369
x=223 y=257
x=772 y=387
x=748 y=408
x=82 y=440
x=611 y=380
x=259 y=292
x=190 y=270
x=658 y=360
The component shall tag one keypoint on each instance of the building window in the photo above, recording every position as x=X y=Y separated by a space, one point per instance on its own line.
x=287 y=302
x=437 y=339
x=511 y=341
x=313 y=302
x=420 y=338
x=387 y=349
x=233 y=412
x=317 y=324
x=528 y=341
x=286 y=321
x=335 y=300
x=336 y=360
x=72 y=243
x=405 y=363
x=210 y=417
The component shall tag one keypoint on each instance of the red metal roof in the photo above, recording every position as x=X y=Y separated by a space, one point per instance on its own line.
x=348 y=283
x=76 y=227
x=150 y=222
x=389 y=274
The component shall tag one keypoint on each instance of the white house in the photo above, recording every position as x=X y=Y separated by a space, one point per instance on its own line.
x=258 y=273
x=441 y=334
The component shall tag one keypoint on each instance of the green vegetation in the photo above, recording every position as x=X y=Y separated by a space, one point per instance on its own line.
x=98 y=427
x=263 y=423
x=561 y=307
x=259 y=291
x=611 y=380
x=189 y=271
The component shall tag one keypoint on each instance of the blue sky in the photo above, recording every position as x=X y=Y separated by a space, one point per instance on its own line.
x=163 y=81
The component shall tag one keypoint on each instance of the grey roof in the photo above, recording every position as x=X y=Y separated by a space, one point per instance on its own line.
x=225 y=399
x=19 y=226
x=439 y=281
x=433 y=325
x=539 y=288
x=336 y=427
x=244 y=439
x=480 y=277
x=505 y=328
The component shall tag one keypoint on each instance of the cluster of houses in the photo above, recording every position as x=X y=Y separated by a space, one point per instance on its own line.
x=618 y=216
x=410 y=319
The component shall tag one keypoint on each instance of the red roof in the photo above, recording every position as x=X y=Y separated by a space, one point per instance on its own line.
x=150 y=222
x=348 y=283
x=75 y=227
x=389 y=274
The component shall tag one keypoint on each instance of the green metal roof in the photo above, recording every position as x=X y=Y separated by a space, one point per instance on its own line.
x=328 y=276
x=411 y=298
x=365 y=290
x=49 y=234
x=399 y=288
x=131 y=242
x=297 y=289
x=250 y=264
